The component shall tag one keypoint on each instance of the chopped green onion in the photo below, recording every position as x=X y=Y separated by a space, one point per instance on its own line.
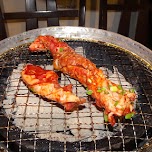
x=132 y=90
x=113 y=89
x=32 y=90
x=110 y=86
x=129 y=115
x=101 y=89
x=105 y=117
x=87 y=89
x=89 y=92
x=123 y=92
x=119 y=87
x=116 y=103
x=61 y=49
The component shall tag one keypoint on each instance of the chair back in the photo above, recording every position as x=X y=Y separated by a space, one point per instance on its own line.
x=32 y=15
x=127 y=8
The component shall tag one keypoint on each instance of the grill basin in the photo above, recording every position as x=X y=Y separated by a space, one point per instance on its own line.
x=133 y=132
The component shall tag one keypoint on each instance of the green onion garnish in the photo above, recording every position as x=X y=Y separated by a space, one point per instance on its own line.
x=123 y=92
x=110 y=85
x=113 y=89
x=132 y=90
x=116 y=103
x=105 y=117
x=32 y=90
x=89 y=92
x=101 y=89
x=129 y=115
x=61 y=49
x=119 y=87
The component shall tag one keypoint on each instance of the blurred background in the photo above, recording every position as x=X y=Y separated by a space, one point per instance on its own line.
x=92 y=14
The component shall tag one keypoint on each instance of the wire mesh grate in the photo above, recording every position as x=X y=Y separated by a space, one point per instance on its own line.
x=31 y=123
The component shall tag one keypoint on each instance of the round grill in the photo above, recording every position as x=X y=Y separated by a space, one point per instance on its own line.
x=126 y=135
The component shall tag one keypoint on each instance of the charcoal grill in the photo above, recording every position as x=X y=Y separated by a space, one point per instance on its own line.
x=105 y=49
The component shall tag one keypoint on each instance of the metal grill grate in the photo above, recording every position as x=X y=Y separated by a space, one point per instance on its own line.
x=62 y=131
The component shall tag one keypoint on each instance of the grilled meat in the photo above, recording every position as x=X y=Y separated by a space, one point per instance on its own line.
x=45 y=83
x=112 y=97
